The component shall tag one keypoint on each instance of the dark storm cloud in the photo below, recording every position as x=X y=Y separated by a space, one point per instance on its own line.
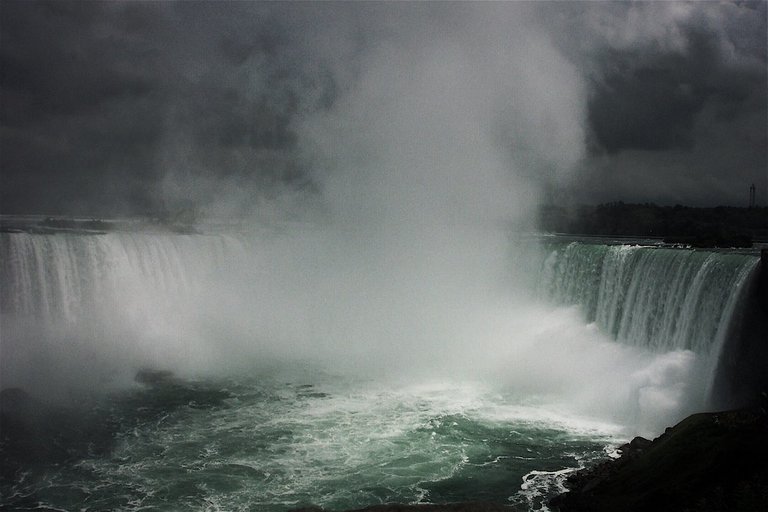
x=650 y=98
x=73 y=106
x=55 y=63
x=137 y=106
x=94 y=93
x=645 y=108
x=676 y=105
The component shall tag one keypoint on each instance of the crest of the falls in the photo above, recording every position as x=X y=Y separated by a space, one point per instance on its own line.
x=65 y=277
x=657 y=298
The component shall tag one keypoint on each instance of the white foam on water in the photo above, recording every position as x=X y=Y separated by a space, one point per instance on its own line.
x=336 y=443
x=539 y=486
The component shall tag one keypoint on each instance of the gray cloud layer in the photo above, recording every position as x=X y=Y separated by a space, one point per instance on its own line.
x=134 y=107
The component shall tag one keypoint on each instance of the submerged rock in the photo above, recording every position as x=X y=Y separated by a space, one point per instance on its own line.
x=163 y=392
x=151 y=377
x=14 y=401
x=34 y=433
x=708 y=462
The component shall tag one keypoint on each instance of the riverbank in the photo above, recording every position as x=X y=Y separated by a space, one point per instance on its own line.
x=708 y=462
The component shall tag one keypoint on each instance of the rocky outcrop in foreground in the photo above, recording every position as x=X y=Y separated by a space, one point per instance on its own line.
x=707 y=462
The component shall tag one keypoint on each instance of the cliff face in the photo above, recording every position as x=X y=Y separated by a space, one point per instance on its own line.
x=707 y=462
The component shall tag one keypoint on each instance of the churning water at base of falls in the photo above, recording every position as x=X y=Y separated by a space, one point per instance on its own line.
x=309 y=376
x=296 y=436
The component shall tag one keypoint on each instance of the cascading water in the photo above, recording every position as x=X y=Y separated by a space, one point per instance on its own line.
x=659 y=299
x=99 y=305
x=286 y=431
x=60 y=278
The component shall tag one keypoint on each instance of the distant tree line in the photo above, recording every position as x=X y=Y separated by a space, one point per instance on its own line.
x=67 y=223
x=721 y=226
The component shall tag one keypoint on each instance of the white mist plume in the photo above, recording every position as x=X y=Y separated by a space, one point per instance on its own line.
x=425 y=160
x=445 y=117
x=448 y=119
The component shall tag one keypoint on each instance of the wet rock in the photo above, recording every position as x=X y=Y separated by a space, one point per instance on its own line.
x=165 y=392
x=151 y=377
x=35 y=433
x=635 y=447
x=707 y=462
x=14 y=401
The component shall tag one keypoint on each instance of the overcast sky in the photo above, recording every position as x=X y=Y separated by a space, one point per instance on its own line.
x=115 y=108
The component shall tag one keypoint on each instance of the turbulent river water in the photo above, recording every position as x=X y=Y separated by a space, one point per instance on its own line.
x=623 y=340
x=282 y=439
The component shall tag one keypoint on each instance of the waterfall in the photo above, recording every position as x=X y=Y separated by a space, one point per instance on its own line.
x=79 y=311
x=661 y=299
x=72 y=302
x=64 y=278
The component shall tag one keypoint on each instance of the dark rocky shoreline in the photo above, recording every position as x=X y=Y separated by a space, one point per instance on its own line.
x=708 y=462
